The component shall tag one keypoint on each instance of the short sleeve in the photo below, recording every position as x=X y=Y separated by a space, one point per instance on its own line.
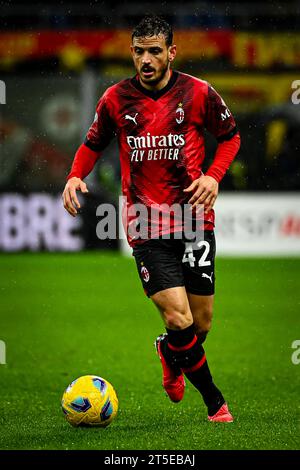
x=218 y=119
x=102 y=130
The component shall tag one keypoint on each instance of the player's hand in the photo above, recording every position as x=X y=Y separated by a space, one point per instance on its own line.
x=205 y=191
x=71 y=203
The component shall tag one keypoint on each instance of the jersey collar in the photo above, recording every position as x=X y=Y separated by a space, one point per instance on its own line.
x=155 y=95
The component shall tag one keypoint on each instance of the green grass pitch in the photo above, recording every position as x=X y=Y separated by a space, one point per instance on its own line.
x=66 y=315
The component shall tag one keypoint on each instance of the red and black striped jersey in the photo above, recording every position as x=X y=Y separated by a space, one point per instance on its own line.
x=160 y=136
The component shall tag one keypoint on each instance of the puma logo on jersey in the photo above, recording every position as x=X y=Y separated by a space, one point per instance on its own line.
x=130 y=118
x=208 y=277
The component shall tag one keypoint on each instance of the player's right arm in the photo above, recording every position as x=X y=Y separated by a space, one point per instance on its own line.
x=98 y=137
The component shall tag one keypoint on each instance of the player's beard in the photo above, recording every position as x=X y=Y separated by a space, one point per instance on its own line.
x=154 y=81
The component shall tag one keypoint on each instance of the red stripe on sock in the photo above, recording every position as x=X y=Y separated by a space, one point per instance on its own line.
x=183 y=348
x=196 y=366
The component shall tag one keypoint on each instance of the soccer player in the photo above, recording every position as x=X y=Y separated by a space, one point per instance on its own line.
x=158 y=117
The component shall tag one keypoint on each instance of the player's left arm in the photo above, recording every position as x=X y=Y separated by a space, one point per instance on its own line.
x=219 y=122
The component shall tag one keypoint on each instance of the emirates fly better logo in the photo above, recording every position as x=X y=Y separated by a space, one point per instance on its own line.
x=155 y=147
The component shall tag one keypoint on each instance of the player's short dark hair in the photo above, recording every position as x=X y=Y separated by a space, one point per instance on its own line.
x=152 y=25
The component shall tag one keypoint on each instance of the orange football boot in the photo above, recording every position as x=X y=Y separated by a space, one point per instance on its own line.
x=173 y=383
x=222 y=416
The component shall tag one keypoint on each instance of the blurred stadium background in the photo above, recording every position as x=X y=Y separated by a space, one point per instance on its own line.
x=56 y=59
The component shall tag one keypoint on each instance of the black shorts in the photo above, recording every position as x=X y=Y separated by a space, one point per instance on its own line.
x=171 y=263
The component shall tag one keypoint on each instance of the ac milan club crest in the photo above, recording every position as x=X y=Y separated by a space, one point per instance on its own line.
x=179 y=114
x=145 y=274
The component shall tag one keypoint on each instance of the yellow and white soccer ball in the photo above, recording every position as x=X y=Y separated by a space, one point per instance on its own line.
x=90 y=401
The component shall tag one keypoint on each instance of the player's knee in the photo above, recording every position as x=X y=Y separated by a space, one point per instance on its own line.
x=176 y=320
